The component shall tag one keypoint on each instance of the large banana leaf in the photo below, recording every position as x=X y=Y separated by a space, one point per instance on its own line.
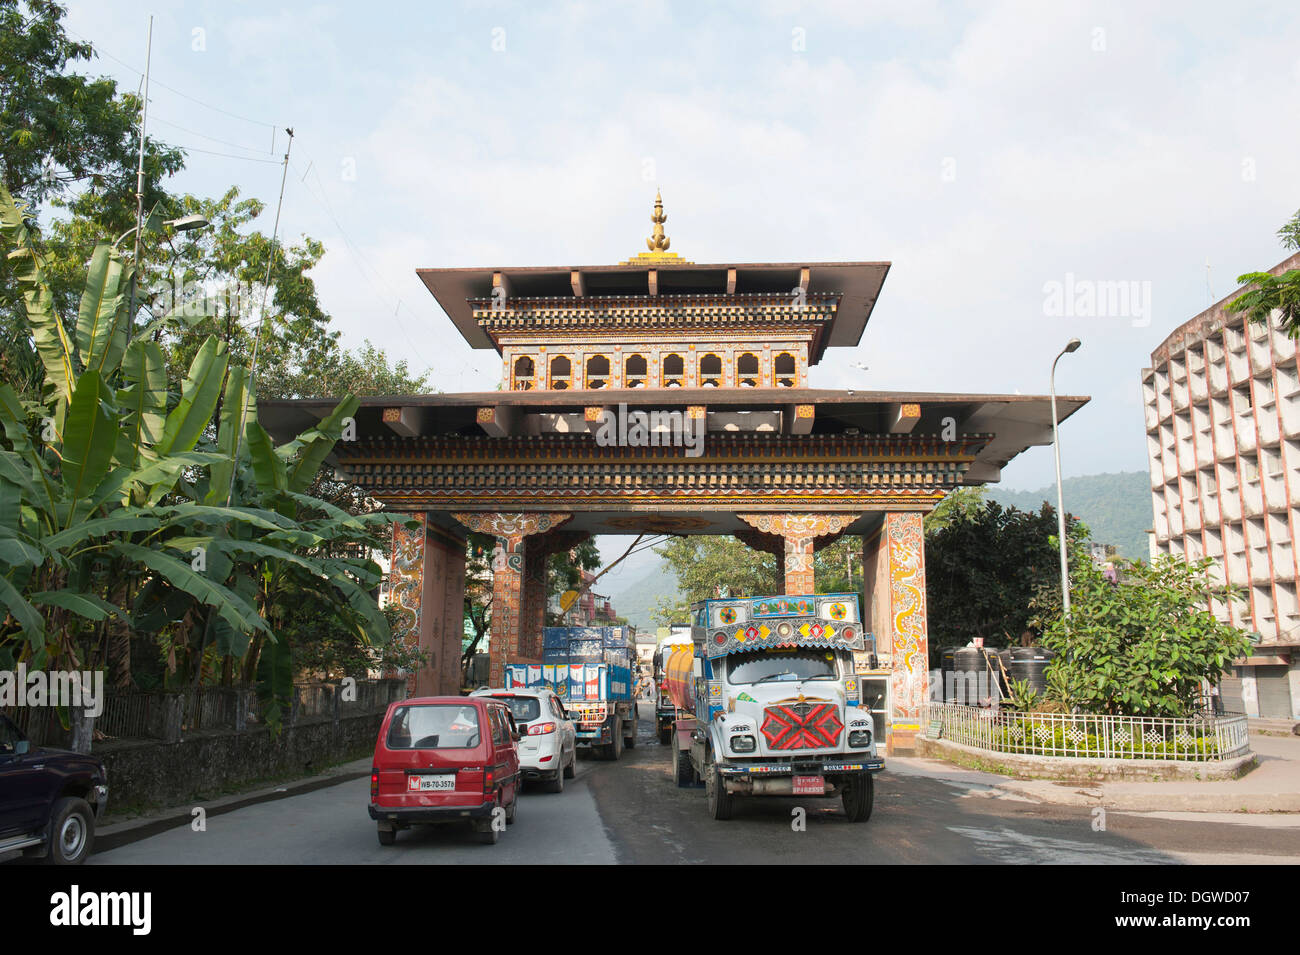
x=236 y=406
x=275 y=681
x=144 y=400
x=89 y=438
x=315 y=445
x=268 y=468
x=52 y=344
x=18 y=608
x=83 y=604
x=221 y=516
x=232 y=545
x=232 y=608
x=199 y=395
x=101 y=301
x=126 y=520
x=363 y=604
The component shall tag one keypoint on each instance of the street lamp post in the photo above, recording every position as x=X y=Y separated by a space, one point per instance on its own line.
x=1071 y=346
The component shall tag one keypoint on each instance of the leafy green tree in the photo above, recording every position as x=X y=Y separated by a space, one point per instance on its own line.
x=113 y=494
x=986 y=565
x=711 y=566
x=1143 y=645
x=68 y=140
x=1271 y=293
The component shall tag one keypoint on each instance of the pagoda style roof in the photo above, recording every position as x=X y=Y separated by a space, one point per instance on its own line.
x=645 y=280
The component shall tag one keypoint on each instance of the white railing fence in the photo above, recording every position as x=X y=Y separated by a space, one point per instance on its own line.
x=1090 y=736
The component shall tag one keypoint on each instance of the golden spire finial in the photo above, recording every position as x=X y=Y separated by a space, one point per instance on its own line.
x=658 y=242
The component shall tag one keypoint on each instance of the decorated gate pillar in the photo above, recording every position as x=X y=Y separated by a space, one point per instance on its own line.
x=893 y=563
x=426 y=583
x=511 y=530
x=798 y=535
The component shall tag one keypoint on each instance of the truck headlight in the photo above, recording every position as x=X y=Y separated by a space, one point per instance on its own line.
x=743 y=744
x=860 y=739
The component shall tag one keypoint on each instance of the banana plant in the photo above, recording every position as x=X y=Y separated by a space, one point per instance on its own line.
x=111 y=471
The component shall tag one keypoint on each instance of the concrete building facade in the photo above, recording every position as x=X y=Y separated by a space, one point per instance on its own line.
x=1222 y=399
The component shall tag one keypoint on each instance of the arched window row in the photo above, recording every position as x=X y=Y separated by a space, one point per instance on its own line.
x=596 y=371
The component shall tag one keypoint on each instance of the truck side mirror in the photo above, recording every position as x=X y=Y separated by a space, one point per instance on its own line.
x=21 y=747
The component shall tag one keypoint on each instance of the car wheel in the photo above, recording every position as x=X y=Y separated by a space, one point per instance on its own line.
x=387 y=836
x=72 y=832
x=556 y=785
x=859 y=797
x=683 y=771
x=721 y=802
x=571 y=770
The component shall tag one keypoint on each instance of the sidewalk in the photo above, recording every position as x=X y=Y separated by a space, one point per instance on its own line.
x=1273 y=786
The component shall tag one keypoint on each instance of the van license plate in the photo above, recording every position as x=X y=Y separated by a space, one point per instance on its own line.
x=809 y=785
x=425 y=784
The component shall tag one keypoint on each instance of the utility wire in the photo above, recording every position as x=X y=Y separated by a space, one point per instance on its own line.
x=216 y=109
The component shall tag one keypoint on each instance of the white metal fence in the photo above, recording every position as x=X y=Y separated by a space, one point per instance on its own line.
x=1082 y=735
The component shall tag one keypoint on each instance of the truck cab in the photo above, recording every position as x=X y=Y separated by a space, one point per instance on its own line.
x=773 y=704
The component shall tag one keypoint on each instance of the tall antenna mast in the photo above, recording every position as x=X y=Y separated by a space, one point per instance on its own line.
x=139 y=181
x=250 y=387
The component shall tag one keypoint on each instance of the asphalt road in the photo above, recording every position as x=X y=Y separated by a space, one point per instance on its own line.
x=631 y=812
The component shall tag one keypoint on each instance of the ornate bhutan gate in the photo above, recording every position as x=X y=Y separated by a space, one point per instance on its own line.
x=663 y=396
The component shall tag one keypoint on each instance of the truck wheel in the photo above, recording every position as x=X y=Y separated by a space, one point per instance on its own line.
x=72 y=832
x=683 y=771
x=616 y=747
x=630 y=740
x=387 y=836
x=721 y=802
x=665 y=734
x=859 y=796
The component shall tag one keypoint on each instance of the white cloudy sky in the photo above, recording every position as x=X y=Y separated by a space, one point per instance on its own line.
x=984 y=149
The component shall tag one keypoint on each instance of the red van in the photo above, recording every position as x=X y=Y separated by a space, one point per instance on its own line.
x=445 y=759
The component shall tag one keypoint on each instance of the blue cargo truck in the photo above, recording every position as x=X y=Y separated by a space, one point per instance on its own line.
x=591 y=670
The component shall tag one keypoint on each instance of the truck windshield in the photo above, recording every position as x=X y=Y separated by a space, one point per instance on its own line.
x=766 y=666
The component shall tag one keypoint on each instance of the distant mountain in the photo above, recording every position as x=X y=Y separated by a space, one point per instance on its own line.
x=636 y=598
x=1116 y=507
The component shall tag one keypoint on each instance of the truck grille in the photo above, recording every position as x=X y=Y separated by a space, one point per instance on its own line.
x=802 y=726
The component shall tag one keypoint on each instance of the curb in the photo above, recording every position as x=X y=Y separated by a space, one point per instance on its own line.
x=1091 y=794
x=1050 y=794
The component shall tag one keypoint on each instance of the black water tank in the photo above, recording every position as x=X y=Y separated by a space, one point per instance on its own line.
x=946 y=666
x=968 y=663
x=1028 y=664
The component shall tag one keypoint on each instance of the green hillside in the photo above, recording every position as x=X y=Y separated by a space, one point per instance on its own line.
x=637 y=599
x=1116 y=507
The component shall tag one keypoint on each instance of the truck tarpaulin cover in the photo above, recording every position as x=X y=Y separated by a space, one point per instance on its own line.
x=681 y=677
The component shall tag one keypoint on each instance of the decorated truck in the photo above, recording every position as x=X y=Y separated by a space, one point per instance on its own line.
x=591 y=670
x=768 y=702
